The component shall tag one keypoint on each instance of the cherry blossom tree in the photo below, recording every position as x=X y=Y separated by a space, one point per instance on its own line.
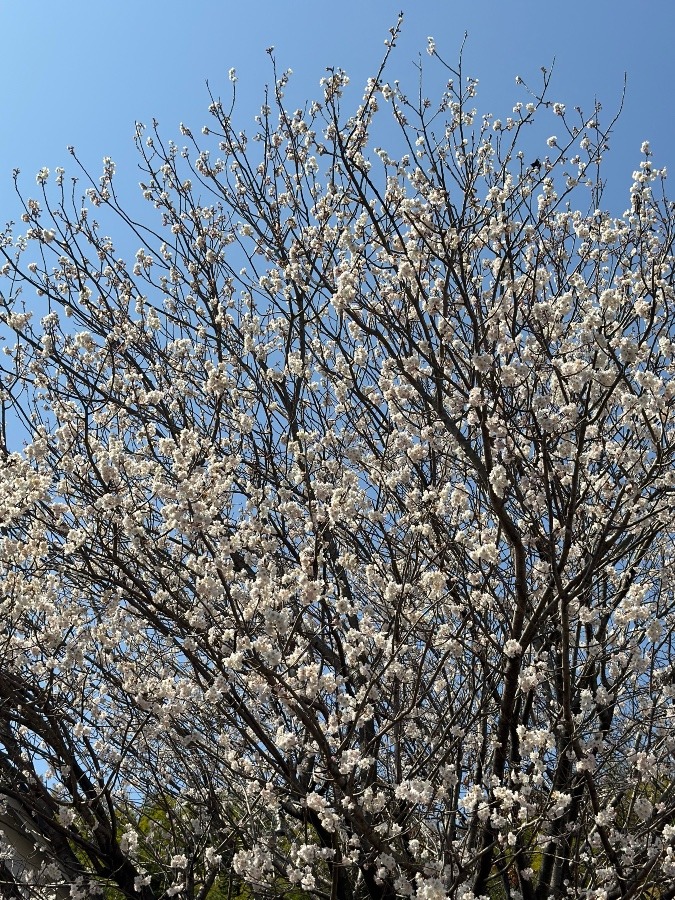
x=337 y=560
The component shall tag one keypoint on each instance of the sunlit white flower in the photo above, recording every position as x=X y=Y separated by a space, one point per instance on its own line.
x=512 y=648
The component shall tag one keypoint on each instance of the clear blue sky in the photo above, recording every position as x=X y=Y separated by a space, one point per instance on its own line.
x=82 y=71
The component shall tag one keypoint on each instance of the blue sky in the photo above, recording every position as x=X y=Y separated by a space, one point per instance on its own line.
x=82 y=72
